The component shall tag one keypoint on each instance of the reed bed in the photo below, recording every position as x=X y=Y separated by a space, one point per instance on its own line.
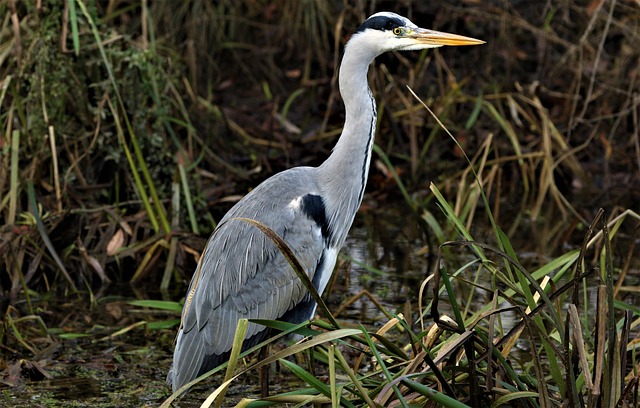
x=130 y=127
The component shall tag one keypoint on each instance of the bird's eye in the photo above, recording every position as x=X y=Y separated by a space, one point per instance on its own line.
x=397 y=31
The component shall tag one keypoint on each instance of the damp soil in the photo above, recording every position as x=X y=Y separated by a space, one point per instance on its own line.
x=104 y=355
x=99 y=352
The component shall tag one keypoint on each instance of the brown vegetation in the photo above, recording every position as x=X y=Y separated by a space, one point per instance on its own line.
x=130 y=127
x=134 y=142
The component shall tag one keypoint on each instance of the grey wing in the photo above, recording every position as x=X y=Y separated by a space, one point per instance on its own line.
x=242 y=274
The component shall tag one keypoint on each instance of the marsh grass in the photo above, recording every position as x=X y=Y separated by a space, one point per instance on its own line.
x=130 y=127
x=104 y=109
x=472 y=351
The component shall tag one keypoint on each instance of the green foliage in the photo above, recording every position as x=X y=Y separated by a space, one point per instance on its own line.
x=130 y=127
x=188 y=91
x=472 y=359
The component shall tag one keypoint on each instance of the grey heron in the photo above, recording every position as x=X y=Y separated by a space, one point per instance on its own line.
x=241 y=273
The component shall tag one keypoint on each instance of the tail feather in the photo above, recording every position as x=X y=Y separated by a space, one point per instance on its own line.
x=190 y=358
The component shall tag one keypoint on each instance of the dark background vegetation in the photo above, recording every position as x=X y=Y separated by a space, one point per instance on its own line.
x=123 y=142
x=233 y=91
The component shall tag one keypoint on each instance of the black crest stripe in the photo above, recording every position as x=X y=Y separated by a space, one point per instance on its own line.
x=382 y=23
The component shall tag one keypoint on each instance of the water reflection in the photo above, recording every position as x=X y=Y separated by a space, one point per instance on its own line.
x=381 y=256
x=73 y=388
x=385 y=255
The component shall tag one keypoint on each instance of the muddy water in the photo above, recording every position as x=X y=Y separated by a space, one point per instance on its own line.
x=384 y=255
x=129 y=369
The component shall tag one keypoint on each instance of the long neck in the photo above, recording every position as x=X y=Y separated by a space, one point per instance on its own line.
x=344 y=174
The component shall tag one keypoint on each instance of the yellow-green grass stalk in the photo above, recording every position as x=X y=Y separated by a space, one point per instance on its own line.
x=524 y=278
x=161 y=214
x=45 y=236
x=13 y=180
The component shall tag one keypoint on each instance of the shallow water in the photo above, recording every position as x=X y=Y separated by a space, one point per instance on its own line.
x=385 y=254
x=129 y=370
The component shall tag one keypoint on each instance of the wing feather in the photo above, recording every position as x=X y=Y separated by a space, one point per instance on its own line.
x=243 y=275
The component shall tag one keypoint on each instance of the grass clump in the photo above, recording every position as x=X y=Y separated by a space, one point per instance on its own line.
x=130 y=127
x=138 y=123
x=492 y=333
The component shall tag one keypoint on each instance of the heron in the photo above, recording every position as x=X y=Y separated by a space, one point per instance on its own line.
x=241 y=273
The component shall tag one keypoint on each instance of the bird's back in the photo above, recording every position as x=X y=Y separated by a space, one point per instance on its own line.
x=242 y=274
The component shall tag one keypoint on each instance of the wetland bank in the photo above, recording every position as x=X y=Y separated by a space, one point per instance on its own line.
x=130 y=127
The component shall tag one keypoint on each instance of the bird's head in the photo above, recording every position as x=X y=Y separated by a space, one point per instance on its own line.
x=386 y=31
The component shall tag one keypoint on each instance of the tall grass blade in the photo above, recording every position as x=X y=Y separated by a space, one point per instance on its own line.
x=295 y=265
x=13 y=181
x=45 y=237
x=132 y=137
x=310 y=379
x=187 y=197
x=612 y=389
x=355 y=381
x=383 y=367
x=396 y=177
x=134 y=170
x=434 y=395
x=238 y=339
x=73 y=20
x=333 y=389
x=158 y=304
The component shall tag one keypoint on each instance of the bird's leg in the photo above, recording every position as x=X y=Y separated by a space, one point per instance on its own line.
x=264 y=371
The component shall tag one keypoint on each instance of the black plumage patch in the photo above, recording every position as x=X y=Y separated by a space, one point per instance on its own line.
x=317 y=277
x=312 y=206
x=382 y=23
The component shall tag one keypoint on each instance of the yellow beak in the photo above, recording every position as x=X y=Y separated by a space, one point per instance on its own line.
x=438 y=38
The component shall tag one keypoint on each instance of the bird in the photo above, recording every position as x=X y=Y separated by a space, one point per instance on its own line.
x=241 y=273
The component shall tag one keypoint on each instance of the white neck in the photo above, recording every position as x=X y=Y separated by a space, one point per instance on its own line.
x=346 y=170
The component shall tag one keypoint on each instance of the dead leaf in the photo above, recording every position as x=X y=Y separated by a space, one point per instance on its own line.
x=114 y=309
x=96 y=266
x=115 y=243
